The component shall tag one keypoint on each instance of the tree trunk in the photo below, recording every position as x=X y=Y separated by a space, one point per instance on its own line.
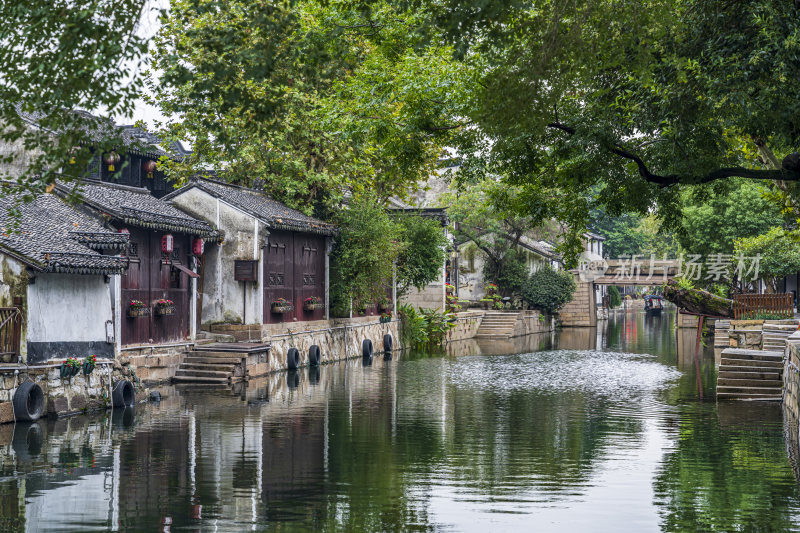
x=698 y=301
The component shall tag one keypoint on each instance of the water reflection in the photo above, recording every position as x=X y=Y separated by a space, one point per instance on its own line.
x=595 y=429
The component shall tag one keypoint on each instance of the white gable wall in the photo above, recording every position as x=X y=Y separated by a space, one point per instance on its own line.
x=224 y=298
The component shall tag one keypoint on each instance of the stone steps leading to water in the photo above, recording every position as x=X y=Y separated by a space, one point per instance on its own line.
x=750 y=375
x=498 y=325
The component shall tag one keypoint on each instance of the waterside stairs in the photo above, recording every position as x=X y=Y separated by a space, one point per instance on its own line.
x=750 y=375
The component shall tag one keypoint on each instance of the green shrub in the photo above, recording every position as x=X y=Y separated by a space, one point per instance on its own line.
x=423 y=328
x=547 y=289
x=614 y=297
x=510 y=274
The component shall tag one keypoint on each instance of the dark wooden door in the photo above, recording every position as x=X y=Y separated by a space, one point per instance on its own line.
x=309 y=273
x=149 y=278
x=279 y=275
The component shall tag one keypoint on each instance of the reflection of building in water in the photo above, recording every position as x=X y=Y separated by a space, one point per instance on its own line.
x=578 y=338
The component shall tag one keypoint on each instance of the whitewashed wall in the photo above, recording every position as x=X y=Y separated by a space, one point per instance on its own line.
x=224 y=298
x=67 y=315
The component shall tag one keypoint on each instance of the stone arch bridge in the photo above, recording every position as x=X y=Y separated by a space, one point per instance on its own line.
x=582 y=310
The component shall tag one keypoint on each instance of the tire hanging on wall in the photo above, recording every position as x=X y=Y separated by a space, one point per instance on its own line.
x=292 y=359
x=366 y=348
x=314 y=355
x=387 y=342
x=123 y=394
x=28 y=402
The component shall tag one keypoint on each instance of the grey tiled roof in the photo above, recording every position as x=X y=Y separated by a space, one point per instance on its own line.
x=137 y=207
x=46 y=238
x=97 y=129
x=259 y=205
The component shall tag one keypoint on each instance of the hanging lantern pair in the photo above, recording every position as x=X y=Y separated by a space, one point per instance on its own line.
x=149 y=167
x=111 y=159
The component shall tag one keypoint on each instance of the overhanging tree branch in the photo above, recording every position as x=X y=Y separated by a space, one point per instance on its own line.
x=786 y=174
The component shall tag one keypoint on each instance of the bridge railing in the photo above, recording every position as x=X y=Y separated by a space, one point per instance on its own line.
x=757 y=306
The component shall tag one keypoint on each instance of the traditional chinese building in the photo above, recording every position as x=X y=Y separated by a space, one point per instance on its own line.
x=155 y=299
x=59 y=268
x=271 y=267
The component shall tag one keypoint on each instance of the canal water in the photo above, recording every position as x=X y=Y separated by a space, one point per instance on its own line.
x=607 y=429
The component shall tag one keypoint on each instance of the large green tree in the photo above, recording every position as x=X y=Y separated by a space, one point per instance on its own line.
x=309 y=100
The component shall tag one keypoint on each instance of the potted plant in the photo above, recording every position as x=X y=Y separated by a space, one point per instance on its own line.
x=70 y=367
x=137 y=309
x=282 y=305
x=312 y=303
x=386 y=317
x=450 y=289
x=384 y=303
x=165 y=307
x=88 y=364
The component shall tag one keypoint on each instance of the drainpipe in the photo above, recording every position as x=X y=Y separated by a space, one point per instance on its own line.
x=394 y=288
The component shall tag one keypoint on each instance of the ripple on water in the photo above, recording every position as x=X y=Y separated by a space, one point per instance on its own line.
x=618 y=374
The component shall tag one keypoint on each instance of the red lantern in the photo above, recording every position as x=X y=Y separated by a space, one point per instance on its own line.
x=149 y=167
x=124 y=230
x=111 y=159
x=198 y=246
x=166 y=243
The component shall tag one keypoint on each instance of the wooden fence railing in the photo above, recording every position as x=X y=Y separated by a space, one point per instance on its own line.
x=10 y=332
x=755 y=306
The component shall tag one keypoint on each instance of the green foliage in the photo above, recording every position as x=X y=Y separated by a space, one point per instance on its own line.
x=510 y=274
x=309 y=99
x=779 y=251
x=548 y=289
x=423 y=256
x=423 y=328
x=614 y=297
x=715 y=217
x=362 y=259
x=631 y=234
x=58 y=55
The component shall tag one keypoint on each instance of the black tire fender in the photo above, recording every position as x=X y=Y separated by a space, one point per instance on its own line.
x=28 y=402
x=387 y=342
x=292 y=359
x=314 y=355
x=123 y=394
x=366 y=348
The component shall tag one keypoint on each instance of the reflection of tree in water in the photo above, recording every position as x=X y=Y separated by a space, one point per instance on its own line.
x=553 y=440
x=727 y=474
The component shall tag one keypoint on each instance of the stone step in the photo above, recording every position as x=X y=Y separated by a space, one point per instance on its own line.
x=750 y=368
x=216 y=354
x=752 y=363
x=739 y=353
x=200 y=379
x=751 y=397
x=748 y=390
x=201 y=373
x=189 y=362
x=747 y=374
x=743 y=382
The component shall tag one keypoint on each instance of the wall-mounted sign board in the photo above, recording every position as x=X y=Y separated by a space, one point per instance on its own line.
x=245 y=270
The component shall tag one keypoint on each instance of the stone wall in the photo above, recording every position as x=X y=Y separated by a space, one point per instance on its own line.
x=431 y=297
x=581 y=311
x=791 y=378
x=745 y=334
x=337 y=339
x=531 y=322
x=467 y=324
x=156 y=363
x=63 y=396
